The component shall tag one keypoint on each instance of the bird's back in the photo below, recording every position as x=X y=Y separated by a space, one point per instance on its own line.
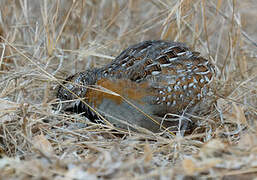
x=157 y=77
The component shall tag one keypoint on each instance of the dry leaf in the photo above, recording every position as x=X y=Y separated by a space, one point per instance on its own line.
x=232 y=112
x=210 y=148
x=7 y=107
x=189 y=166
x=79 y=173
x=239 y=114
x=42 y=144
x=247 y=141
x=147 y=153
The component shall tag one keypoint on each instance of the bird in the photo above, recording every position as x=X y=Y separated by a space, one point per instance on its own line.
x=141 y=85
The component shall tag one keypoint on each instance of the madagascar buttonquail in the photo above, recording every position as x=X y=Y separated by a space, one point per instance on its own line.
x=151 y=78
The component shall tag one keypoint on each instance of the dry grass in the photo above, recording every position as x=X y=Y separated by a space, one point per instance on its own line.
x=45 y=41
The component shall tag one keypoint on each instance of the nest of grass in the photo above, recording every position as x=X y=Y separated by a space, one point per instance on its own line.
x=42 y=42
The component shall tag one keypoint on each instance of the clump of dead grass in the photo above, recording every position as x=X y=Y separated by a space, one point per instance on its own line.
x=42 y=42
